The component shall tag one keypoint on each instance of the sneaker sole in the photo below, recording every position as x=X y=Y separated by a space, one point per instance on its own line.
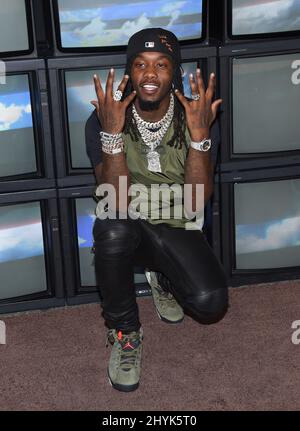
x=122 y=388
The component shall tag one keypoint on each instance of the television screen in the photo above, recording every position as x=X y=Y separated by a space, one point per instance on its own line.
x=102 y=23
x=13 y=27
x=267 y=224
x=80 y=91
x=22 y=263
x=264 y=16
x=187 y=69
x=17 y=142
x=265 y=101
x=85 y=217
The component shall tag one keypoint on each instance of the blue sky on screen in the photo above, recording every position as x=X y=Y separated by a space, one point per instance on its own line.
x=85 y=227
x=265 y=16
x=15 y=107
x=21 y=234
x=86 y=24
x=80 y=91
x=21 y=242
x=272 y=235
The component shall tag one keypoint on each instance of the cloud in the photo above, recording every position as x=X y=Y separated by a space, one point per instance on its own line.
x=11 y=114
x=94 y=28
x=173 y=9
x=81 y=241
x=27 y=109
x=281 y=234
x=96 y=34
x=19 y=242
x=264 y=17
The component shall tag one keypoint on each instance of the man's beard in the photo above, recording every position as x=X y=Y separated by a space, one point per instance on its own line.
x=146 y=105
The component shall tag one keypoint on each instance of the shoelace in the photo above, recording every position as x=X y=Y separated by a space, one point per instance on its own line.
x=164 y=295
x=127 y=357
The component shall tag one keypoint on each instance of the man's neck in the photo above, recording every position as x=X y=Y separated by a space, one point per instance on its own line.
x=153 y=115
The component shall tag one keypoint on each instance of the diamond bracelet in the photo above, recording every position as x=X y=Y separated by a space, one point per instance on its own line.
x=111 y=143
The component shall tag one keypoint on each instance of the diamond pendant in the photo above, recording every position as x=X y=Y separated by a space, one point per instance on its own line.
x=153 y=161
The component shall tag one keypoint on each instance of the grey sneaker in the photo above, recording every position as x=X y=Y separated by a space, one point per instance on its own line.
x=124 y=366
x=167 y=307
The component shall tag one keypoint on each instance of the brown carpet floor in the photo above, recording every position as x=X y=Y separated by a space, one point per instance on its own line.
x=56 y=359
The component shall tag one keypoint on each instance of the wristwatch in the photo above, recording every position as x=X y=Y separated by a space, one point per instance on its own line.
x=202 y=145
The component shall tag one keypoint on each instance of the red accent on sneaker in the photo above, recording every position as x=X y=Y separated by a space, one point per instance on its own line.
x=128 y=345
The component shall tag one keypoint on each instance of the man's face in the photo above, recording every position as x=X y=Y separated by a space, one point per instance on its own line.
x=151 y=76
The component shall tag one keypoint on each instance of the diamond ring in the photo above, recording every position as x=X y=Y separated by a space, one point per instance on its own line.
x=118 y=95
x=196 y=96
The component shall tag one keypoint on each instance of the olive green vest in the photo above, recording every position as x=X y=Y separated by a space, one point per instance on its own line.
x=156 y=207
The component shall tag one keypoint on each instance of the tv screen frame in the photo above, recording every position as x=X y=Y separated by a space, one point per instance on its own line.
x=75 y=292
x=229 y=161
x=45 y=176
x=230 y=38
x=66 y=175
x=54 y=296
x=31 y=52
x=60 y=51
x=240 y=277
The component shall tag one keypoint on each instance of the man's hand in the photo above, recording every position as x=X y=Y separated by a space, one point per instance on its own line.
x=111 y=113
x=200 y=114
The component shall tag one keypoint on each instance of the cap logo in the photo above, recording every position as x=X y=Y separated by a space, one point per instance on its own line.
x=149 y=44
x=164 y=41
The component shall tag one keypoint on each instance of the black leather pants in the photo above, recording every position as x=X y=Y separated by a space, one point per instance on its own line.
x=190 y=269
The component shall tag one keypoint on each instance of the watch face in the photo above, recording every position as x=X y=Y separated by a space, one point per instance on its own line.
x=206 y=145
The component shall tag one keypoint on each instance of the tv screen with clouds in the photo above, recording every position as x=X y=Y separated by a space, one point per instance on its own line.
x=13 y=26
x=17 y=143
x=266 y=101
x=22 y=261
x=267 y=224
x=264 y=16
x=102 y=23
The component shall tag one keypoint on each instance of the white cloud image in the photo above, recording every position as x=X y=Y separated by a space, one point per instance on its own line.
x=173 y=9
x=98 y=36
x=19 y=242
x=81 y=241
x=93 y=29
x=264 y=17
x=27 y=109
x=11 y=114
x=278 y=235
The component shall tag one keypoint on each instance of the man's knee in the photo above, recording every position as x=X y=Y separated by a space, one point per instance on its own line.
x=115 y=237
x=209 y=307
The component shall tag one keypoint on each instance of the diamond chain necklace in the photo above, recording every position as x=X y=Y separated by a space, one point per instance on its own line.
x=153 y=133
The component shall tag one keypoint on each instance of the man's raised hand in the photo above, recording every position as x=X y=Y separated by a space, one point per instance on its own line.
x=201 y=113
x=111 y=113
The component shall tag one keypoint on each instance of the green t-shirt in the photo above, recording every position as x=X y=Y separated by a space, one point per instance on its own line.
x=165 y=206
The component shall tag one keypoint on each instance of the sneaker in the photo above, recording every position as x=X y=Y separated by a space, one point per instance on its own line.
x=125 y=360
x=167 y=307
